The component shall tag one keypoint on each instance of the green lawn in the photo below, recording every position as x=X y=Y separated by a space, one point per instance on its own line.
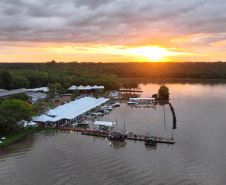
x=16 y=135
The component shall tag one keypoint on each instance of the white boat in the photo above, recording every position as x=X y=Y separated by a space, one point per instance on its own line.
x=97 y=114
x=83 y=123
x=116 y=104
x=104 y=107
x=103 y=111
x=108 y=108
x=132 y=103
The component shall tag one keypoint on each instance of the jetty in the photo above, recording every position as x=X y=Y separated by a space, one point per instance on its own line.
x=129 y=136
x=99 y=134
x=144 y=138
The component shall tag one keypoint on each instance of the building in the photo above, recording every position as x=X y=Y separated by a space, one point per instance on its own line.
x=35 y=94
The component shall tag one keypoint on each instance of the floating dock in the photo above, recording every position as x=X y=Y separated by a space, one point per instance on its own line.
x=144 y=138
x=129 y=136
x=99 y=134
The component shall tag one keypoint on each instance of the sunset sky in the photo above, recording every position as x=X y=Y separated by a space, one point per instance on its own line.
x=112 y=30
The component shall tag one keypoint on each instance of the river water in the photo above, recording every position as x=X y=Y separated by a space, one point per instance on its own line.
x=197 y=157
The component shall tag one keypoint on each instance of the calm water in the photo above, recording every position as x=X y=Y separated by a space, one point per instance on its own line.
x=198 y=156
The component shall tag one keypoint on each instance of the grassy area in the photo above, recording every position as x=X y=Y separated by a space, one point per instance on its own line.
x=16 y=135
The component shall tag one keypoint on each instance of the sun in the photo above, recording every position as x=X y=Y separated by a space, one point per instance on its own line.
x=154 y=53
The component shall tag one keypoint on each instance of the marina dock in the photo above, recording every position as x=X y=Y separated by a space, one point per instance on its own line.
x=144 y=138
x=129 y=136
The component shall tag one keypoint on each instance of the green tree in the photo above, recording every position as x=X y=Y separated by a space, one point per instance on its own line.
x=52 y=91
x=20 y=96
x=163 y=93
x=75 y=94
x=6 y=78
x=97 y=93
x=19 y=82
x=1 y=84
x=12 y=111
x=40 y=108
x=155 y=96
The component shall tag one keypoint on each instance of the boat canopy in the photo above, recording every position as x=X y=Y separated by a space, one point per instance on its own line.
x=105 y=123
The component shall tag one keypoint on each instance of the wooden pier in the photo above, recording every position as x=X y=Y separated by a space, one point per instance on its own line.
x=129 y=136
x=99 y=134
x=144 y=138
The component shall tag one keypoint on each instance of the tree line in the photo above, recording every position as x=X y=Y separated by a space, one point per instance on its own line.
x=40 y=74
x=14 y=76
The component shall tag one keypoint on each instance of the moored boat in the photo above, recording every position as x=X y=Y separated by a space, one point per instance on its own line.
x=151 y=141
x=83 y=123
x=118 y=134
x=132 y=103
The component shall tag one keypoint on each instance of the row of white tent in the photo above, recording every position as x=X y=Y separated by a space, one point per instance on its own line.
x=84 y=88
x=71 y=110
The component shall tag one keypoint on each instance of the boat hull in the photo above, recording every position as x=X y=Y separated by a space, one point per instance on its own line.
x=116 y=139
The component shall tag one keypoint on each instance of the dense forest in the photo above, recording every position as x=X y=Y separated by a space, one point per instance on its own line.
x=31 y=75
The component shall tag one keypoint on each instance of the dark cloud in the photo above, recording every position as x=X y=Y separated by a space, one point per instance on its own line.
x=109 y=21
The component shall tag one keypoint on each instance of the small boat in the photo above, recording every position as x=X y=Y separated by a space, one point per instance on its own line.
x=115 y=104
x=97 y=114
x=132 y=103
x=108 y=108
x=103 y=111
x=118 y=134
x=151 y=141
x=84 y=122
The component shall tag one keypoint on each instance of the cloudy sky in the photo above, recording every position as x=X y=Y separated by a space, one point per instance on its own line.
x=112 y=30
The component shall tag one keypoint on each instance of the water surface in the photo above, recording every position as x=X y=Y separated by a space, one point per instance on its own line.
x=198 y=156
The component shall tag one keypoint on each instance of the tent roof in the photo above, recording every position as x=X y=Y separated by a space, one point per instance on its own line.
x=88 y=87
x=76 y=108
x=43 y=118
x=52 y=112
x=31 y=123
x=73 y=87
x=97 y=87
x=45 y=89
x=5 y=93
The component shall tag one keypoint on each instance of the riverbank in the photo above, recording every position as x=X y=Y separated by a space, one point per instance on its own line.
x=16 y=135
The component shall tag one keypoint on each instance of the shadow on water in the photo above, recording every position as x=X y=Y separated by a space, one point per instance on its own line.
x=117 y=144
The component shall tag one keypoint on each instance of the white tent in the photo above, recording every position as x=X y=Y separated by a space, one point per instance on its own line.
x=97 y=87
x=88 y=87
x=52 y=112
x=73 y=87
x=43 y=118
x=76 y=108
x=31 y=123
